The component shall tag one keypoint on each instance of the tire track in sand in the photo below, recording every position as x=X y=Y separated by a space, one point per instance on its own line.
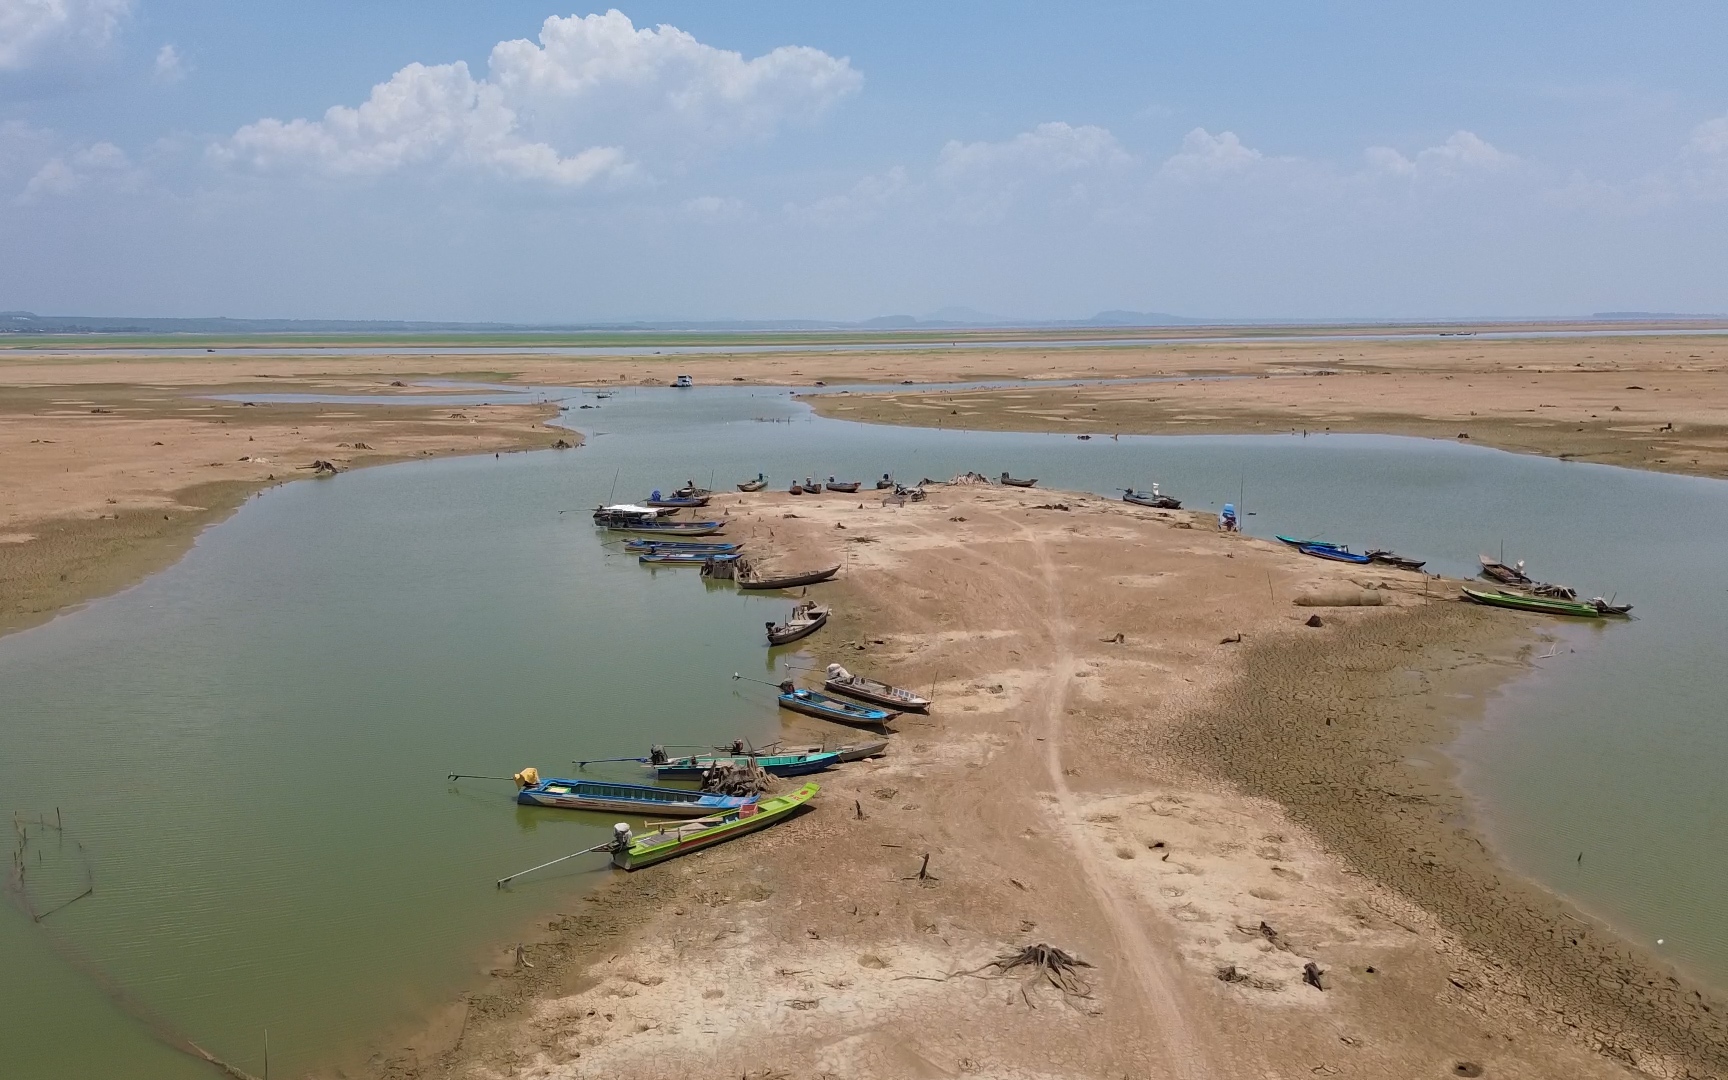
x=1163 y=998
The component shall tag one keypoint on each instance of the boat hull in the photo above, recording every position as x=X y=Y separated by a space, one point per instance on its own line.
x=889 y=697
x=668 y=528
x=850 y=752
x=1335 y=554
x=783 y=633
x=635 y=799
x=1541 y=605
x=1156 y=502
x=823 y=707
x=656 y=847
x=789 y=582
x=801 y=764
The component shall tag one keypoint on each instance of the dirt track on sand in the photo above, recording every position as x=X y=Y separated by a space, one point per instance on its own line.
x=1093 y=777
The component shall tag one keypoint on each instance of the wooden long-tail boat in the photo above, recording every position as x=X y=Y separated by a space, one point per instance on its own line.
x=631 y=512
x=1333 y=552
x=841 y=681
x=846 y=751
x=678 y=503
x=788 y=581
x=1154 y=498
x=757 y=484
x=1295 y=543
x=718 y=547
x=691 y=491
x=788 y=764
x=632 y=851
x=885 y=483
x=1504 y=574
x=615 y=798
x=813 y=703
x=685 y=558
x=847 y=487
x=1011 y=482
x=672 y=528
x=1595 y=608
x=1392 y=558
x=805 y=620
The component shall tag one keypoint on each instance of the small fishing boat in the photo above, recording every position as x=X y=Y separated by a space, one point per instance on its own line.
x=841 y=681
x=632 y=851
x=614 y=798
x=677 y=503
x=1295 y=543
x=757 y=484
x=631 y=512
x=1333 y=552
x=1154 y=498
x=683 y=382
x=672 y=528
x=805 y=620
x=846 y=752
x=1504 y=574
x=1595 y=608
x=812 y=703
x=712 y=548
x=1392 y=558
x=795 y=489
x=812 y=486
x=885 y=483
x=691 y=491
x=789 y=764
x=788 y=581
x=1011 y=482
x=847 y=487
x=685 y=558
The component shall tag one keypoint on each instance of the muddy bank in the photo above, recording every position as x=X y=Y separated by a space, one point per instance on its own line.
x=1343 y=731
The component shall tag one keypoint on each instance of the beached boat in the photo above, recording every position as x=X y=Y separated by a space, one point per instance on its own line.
x=795 y=489
x=1392 y=558
x=1504 y=574
x=691 y=491
x=685 y=558
x=677 y=503
x=1584 y=609
x=757 y=484
x=668 y=528
x=1154 y=498
x=632 y=851
x=1295 y=543
x=841 y=681
x=1011 y=482
x=790 y=764
x=812 y=703
x=847 y=487
x=606 y=796
x=846 y=752
x=805 y=620
x=788 y=581
x=1333 y=552
x=716 y=547
x=885 y=483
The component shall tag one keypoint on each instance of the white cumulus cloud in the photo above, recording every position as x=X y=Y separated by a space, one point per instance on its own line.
x=1204 y=153
x=583 y=103
x=170 y=66
x=34 y=32
x=1048 y=148
x=64 y=174
x=1704 y=161
x=1462 y=152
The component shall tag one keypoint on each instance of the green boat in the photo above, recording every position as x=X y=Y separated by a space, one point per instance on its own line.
x=1591 y=609
x=632 y=851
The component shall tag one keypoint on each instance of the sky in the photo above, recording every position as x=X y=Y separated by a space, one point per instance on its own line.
x=512 y=161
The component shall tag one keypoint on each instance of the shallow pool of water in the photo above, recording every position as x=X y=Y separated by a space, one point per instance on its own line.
x=252 y=745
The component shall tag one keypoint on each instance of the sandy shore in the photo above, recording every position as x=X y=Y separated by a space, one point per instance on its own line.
x=107 y=482
x=1140 y=754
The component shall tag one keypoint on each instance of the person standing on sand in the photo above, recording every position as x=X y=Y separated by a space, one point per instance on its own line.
x=1227 y=518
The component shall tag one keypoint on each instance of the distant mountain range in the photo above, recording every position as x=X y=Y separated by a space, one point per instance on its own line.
x=949 y=318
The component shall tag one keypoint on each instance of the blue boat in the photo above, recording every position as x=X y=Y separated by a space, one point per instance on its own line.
x=1333 y=552
x=692 y=768
x=640 y=800
x=675 y=528
x=686 y=558
x=1295 y=543
x=698 y=546
x=812 y=703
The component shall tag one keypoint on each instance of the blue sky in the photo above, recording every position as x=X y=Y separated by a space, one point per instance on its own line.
x=516 y=161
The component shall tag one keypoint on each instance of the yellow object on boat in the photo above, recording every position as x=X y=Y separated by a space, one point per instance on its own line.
x=527 y=777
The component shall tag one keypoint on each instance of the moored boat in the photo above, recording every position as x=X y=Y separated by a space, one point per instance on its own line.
x=805 y=620
x=1333 y=552
x=1011 y=482
x=1295 y=543
x=676 y=503
x=786 y=581
x=685 y=558
x=671 y=528
x=1156 y=499
x=813 y=703
x=615 y=798
x=632 y=851
x=841 y=681
x=757 y=484
x=885 y=483
x=1392 y=558
x=846 y=751
x=1504 y=574
x=718 y=547
x=789 y=764
x=1595 y=608
x=847 y=487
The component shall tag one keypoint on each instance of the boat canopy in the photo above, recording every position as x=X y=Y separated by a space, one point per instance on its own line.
x=629 y=508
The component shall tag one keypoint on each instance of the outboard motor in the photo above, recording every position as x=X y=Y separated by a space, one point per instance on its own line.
x=620 y=837
x=656 y=754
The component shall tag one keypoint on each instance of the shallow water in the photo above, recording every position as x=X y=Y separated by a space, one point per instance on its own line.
x=252 y=744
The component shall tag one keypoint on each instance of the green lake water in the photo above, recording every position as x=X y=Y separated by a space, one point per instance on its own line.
x=251 y=745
